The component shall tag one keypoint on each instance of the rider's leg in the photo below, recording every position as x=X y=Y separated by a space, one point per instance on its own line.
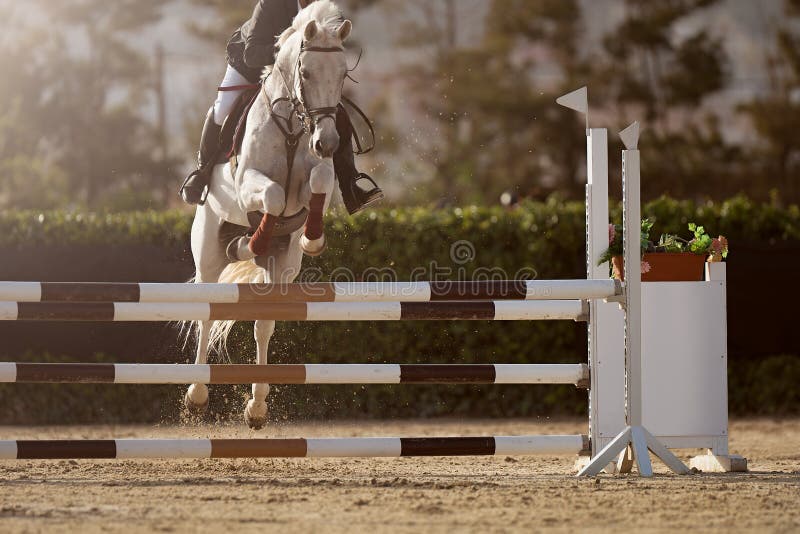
x=194 y=187
x=354 y=196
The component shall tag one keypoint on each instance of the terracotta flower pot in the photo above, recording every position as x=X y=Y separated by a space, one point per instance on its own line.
x=666 y=267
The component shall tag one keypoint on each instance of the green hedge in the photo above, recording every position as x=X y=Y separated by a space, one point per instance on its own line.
x=63 y=227
x=547 y=238
x=404 y=235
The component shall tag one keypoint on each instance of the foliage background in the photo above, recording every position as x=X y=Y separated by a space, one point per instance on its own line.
x=103 y=100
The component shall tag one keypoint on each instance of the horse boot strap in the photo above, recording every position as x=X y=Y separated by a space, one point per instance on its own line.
x=259 y=243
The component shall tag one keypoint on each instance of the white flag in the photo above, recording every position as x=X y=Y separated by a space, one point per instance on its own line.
x=630 y=136
x=577 y=100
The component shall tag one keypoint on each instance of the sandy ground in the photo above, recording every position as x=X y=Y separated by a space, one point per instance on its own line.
x=495 y=494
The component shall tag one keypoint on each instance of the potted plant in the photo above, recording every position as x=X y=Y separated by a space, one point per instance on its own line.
x=672 y=259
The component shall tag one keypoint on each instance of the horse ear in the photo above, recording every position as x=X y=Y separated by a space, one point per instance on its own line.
x=311 y=30
x=344 y=30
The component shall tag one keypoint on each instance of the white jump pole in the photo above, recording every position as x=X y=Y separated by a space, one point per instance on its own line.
x=634 y=441
x=122 y=373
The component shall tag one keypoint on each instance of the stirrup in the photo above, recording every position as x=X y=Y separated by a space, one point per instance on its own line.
x=366 y=197
x=365 y=176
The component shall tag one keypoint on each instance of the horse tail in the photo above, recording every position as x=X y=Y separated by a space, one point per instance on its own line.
x=241 y=272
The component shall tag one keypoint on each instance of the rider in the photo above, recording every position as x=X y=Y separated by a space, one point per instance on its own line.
x=250 y=49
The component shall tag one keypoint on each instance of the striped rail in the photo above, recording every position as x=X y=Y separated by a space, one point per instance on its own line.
x=505 y=310
x=292 y=448
x=577 y=374
x=310 y=292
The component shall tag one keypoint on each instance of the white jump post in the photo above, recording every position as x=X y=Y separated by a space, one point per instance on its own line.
x=606 y=325
x=634 y=441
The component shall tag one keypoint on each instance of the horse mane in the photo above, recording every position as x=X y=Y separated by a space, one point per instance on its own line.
x=326 y=14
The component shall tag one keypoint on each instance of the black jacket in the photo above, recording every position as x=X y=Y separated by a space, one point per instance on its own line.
x=255 y=40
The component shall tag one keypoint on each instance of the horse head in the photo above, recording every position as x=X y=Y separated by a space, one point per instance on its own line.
x=315 y=48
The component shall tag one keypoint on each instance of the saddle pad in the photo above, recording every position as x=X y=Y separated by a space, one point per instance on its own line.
x=222 y=197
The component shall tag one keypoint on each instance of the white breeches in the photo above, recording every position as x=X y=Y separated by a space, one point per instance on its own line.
x=226 y=99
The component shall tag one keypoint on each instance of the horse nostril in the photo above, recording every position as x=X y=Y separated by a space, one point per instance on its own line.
x=318 y=146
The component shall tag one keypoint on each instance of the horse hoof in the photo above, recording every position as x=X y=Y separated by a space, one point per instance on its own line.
x=313 y=248
x=239 y=250
x=196 y=391
x=194 y=408
x=256 y=419
x=255 y=423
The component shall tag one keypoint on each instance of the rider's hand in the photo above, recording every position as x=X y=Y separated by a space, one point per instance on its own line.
x=257 y=56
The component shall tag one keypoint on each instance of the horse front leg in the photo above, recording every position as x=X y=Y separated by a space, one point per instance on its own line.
x=321 y=184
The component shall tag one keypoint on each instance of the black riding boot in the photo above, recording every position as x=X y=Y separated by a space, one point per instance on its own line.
x=354 y=196
x=194 y=188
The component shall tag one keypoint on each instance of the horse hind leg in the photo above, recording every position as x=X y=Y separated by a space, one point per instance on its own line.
x=196 y=398
x=210 y=261
x=255 y=413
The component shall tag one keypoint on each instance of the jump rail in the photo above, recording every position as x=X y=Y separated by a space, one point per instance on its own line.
x=577 y=374
x=310 y=292
x=292 y=448
x=507 y=310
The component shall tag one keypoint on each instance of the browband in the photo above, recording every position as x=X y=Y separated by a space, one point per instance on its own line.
x=305 y=48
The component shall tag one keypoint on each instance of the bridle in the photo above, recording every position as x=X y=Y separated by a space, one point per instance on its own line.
x=308 y=117
x=314 y=115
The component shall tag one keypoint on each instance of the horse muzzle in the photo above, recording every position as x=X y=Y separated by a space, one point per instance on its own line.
x=324 y=150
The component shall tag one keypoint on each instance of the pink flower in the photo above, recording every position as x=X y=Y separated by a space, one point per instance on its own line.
x=645 y=267
x=719 y=249
x=611 y=233
x=719 y=245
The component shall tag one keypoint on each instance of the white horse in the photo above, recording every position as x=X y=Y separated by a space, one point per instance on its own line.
x=284 y=171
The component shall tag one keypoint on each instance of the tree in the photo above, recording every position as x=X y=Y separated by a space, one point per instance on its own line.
x=230 y=15
x=650 y=74
x=488 y=123
x=647 y=68
x=79 y=109
x=776 y=115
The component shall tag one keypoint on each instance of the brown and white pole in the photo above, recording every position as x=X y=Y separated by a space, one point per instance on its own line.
x=367 y=447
